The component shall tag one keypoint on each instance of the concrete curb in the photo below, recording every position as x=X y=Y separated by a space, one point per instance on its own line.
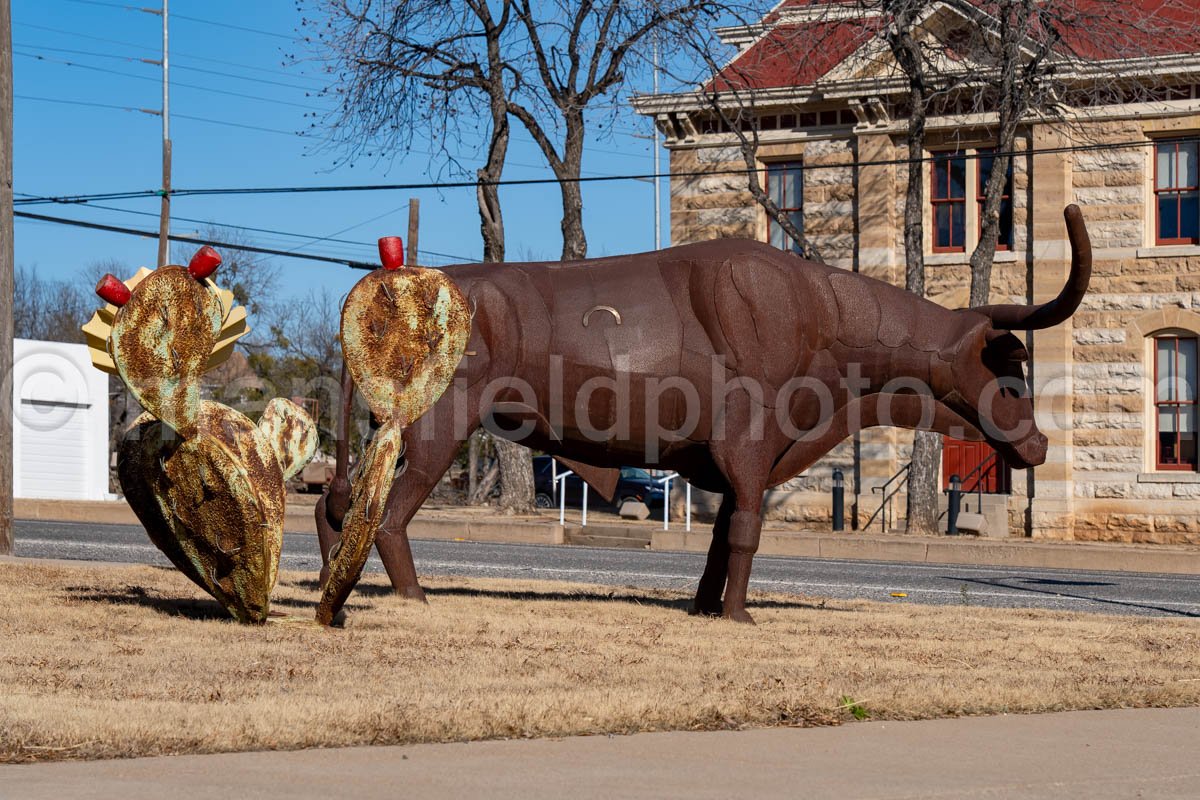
x=1170 y=559
x=1017 y=553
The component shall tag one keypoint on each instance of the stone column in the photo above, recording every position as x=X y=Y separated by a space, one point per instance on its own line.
x=1052 y=487
x=877 y=228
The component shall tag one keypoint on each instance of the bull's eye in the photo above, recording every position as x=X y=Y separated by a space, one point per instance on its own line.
x=1005 y=349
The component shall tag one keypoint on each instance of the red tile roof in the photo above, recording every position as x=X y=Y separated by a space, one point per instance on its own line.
x=773 y=61
x=1099 y=30
x=800 y=54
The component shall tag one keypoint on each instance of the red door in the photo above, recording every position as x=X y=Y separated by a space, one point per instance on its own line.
x=962 y=458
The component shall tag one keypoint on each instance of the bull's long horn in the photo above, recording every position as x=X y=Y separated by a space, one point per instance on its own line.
x=1060 y=309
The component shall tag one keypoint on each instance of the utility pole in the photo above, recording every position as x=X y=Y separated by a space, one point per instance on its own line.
x=6 y=279
x=657 y=199
x=164 y=220
x=414 y=219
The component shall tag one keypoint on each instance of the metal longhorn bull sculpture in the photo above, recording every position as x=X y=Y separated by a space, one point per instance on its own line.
x=205 y=481
x=781 y=335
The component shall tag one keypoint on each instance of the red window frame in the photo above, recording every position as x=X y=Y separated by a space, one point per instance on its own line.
x=1178 y=191
x=786 y=167
x=941 y=195
x=1177 y=405
x=981 y=197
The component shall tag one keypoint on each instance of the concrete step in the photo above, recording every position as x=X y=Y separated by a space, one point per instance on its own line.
x=624 y=542
x=635 y=537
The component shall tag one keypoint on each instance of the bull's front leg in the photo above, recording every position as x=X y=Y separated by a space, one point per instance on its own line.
x=746 y=467
x=745 y=528
x=329 y=533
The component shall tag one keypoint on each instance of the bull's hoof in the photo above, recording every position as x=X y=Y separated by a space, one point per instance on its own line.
x=740 y=615
x=414 y=592
x=706 y=608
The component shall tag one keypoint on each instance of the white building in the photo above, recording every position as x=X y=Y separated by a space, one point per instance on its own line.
x=60 y=426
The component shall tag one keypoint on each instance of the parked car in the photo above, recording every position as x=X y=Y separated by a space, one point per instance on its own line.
x=634 y=484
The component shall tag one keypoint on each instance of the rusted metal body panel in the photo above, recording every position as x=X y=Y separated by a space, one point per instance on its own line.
x=290 y=432
x=206 y=482
x=403 y=333
x=161 y=342
x=368 y=500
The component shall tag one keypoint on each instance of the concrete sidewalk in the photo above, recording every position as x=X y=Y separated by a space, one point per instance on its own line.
x=1089 y=754
x=482 y=525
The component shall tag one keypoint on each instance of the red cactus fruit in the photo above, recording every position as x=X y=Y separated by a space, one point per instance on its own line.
x=112 y=290
x=391 y=252
x=204 y=263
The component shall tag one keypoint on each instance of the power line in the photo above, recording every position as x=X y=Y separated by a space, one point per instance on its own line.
x=178 y=238
x=149 y=61
x=125 y=7
x=269 y=231
x=604 y=178
x=90 y=38
x=612 y=128
x=313 y=109
x=151 y=111
x=156 y=112
x=198 y=87
x=195 y=221
x=226 y=123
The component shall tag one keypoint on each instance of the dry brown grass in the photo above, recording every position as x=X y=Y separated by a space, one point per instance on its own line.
x=102 y=662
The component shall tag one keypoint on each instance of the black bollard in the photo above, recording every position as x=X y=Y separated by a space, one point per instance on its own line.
x=839 y=500
x=953 y=505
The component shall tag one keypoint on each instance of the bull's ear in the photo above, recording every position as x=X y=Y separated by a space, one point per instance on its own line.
x=1003 y=346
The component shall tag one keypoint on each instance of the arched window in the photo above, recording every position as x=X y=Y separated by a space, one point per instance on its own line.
x=1175 y=393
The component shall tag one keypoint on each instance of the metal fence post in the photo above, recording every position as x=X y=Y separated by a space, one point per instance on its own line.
x=688 y=486
x=953 y=504
x=839 y=500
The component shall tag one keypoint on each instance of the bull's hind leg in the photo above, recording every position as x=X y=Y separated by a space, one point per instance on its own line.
x=712 y=582
x=430 y=447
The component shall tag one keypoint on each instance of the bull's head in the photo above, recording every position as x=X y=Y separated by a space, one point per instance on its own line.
x=984 y=383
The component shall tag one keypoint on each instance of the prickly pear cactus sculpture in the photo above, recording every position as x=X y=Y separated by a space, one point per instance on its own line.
x=206 y=482
x=404 y=331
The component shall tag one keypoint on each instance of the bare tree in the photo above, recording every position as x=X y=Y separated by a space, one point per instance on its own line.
x=581 y=52
x=444 y=69
x=480 y=63
x=51 y=310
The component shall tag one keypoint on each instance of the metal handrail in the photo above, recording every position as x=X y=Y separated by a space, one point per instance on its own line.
x=560 y=481
x=666 y=483
x=885 y=506
x=989 y=463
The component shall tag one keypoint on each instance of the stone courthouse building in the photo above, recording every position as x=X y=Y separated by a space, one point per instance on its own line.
x=1116 y=386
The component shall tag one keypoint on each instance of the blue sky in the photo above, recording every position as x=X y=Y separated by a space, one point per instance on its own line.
x=65 y=147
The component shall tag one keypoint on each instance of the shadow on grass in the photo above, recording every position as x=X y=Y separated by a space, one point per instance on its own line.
x=200 y=609
x=616 y=596
x=187 y=607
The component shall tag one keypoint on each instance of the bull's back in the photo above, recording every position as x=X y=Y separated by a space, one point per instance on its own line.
x=604 y=339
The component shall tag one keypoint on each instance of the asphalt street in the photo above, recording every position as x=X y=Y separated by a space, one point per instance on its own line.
x=1098 y=592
